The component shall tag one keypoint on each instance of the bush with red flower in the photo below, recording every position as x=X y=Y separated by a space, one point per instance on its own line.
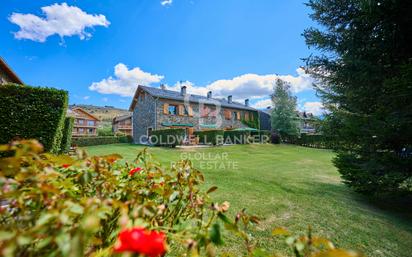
x=100 y=207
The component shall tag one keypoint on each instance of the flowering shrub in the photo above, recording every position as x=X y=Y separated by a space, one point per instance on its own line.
x=97 y=206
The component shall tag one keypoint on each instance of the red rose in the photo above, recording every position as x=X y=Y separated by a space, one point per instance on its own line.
x=145 y=242
x=66 y=166
x=133 y=171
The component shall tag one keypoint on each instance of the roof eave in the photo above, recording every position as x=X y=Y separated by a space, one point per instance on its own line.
x=10 y=72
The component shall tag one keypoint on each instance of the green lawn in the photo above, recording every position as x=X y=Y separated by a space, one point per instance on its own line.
x=293 y=187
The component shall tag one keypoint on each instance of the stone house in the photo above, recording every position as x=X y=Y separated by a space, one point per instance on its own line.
x=158 y=108
x=85 y=124
x=306 y=123
x=7 y=75
x=123 y=124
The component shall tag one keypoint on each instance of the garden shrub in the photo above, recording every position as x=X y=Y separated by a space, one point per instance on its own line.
x=275 y=138
x=93 y=206
x=167 y=137
x=32 y=112
x=236 y=136
x=105 y=131
x=67 y=134
x=214 y=137
x=89 y=141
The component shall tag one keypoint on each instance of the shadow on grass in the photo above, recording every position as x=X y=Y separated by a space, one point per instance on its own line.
x=396 y=209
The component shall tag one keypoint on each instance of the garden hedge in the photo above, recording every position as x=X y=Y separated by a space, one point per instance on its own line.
x=236 y=136
x=260 y=136
x=67 y=134
x=89 y=141
x=33 y=113
x=213 y=137
x=314 y=141
x=168 y=137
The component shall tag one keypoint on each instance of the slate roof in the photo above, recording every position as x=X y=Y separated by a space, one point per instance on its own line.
x=122 y=117
x=174 y=95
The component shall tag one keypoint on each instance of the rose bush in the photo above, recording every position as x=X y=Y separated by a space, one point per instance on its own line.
x=97 y=206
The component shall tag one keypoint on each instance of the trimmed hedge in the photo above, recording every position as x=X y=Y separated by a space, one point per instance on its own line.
x=315 y=141
x=213 y=137
x=236 y=136
x=260 y=136
x=89 y=141
x=67 y=135
x=167 y=137
x=32 y=113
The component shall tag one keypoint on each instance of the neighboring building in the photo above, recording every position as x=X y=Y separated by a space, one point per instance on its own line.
x=123 y=124
x=306 y=123
x=7 y=75
x=85 y=124
x=158 y=108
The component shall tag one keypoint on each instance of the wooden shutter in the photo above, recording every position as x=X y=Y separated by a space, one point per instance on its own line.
x=246 y=116
x=165 y=108
x=238 y=115
x=190 y=110
x=181 y=110
x=228 y=114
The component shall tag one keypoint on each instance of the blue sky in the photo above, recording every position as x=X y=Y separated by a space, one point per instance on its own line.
x=100 y=50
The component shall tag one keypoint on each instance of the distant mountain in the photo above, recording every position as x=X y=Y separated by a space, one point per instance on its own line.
x=104 y=113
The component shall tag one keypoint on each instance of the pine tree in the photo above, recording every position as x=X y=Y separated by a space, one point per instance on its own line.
x=364 y=73
x=284 y=119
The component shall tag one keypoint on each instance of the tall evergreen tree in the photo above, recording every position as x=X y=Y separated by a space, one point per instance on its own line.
x=364 y=69
x=284 y=119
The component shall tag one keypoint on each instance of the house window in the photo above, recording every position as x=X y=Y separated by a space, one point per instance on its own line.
x=90 y=131
x=81 y=122
x=172 y=109
x=90 y=123
x=81 y=130
x=236 y=115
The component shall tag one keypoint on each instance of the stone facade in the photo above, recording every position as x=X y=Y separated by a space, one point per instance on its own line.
x=144 y=117
x=149 y=114
x=199 y=121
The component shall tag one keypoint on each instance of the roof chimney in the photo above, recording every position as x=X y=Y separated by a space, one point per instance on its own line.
x=247 y=102
x=183 y=90
x=209 y=94
x=163 y=86
x=229 y=99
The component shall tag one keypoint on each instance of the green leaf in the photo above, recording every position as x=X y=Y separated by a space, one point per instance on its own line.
x=212 y=189
x=215 y=235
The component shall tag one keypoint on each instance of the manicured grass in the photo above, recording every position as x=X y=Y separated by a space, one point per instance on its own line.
x=294 y=187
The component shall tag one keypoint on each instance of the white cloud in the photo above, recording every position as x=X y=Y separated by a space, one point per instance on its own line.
x=86 y=97
x=314 y=107
x=166 y=2
x=125 y=81
x=60 y=19
x=251 y=86
x=262 y=104
x=105 y=99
